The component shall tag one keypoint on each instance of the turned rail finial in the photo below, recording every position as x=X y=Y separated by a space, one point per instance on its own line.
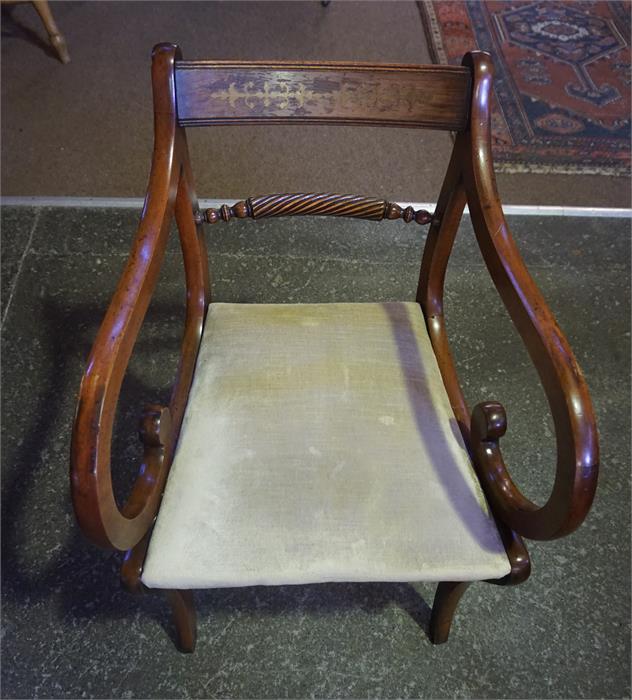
x=240 y=210
x=321 y=204
x=408 y=214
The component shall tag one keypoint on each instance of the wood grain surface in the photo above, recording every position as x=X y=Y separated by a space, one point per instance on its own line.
x=215 y=92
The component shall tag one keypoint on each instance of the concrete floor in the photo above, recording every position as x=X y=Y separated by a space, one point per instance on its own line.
x=68 y=630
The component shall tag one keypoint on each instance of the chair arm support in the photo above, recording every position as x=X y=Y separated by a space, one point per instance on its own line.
x=561 y=377
x=93 y=498
x=170 y=192
x=92 y=493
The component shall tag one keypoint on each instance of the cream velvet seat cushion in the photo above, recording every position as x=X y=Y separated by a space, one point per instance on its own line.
x=318 y=445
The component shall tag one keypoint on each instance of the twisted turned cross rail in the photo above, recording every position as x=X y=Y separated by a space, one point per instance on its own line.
x=323 y=204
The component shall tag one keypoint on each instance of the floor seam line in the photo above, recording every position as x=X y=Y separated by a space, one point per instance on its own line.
x=137 y=203
x=21 y=263
x=363 y=261
x=234 y=256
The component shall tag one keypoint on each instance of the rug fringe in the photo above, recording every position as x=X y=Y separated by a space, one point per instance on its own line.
x=432 y=31
x=542 y=169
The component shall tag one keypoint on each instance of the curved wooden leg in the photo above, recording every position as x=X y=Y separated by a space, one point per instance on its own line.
x=183 y=610
x=55 y=36
x=443 y=608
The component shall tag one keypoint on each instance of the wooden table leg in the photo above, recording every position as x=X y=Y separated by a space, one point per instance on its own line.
x=56 y=37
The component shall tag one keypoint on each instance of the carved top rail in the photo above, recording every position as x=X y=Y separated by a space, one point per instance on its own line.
x=322 y=204
x=237 y=92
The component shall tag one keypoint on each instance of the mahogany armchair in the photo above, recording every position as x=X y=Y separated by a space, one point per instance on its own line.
x=306 y=443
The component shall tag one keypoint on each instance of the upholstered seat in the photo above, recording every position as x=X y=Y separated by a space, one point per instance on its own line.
x=318 y=444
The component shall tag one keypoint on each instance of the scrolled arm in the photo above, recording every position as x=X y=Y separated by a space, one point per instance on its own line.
x=170 y=192
x=561 y=377
x=93 y=497
x=488 y=425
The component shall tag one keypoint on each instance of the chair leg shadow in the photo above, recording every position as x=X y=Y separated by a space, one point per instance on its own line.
x=12 y=28
x=412 y=602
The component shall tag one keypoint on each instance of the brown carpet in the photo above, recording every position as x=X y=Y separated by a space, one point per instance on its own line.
x=84 y=129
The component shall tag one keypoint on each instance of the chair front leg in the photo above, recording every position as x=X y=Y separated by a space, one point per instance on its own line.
x=446 y=599
x=184 y=618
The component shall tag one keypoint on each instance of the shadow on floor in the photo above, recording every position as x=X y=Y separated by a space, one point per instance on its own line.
x=12 y=28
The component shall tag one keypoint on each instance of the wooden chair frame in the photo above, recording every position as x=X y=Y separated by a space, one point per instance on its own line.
x=469 y=179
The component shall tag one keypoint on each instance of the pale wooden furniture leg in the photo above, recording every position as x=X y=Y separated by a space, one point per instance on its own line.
x=56 y=37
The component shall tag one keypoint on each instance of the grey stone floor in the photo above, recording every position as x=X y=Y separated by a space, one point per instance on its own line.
x=68 y=630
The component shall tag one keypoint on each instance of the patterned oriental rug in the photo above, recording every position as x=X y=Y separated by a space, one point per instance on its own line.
x=562 y=78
